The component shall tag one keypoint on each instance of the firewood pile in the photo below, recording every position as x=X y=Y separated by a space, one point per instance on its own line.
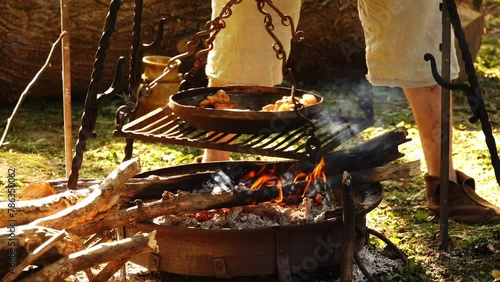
x=56 y=233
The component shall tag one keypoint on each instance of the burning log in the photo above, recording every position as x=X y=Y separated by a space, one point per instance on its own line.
x=187 y=202
x=132 y=188
x=375 y=152
x=102 y=253
x=101 y=201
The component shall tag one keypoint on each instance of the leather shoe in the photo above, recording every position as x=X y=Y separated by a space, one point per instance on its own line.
x=464 y=204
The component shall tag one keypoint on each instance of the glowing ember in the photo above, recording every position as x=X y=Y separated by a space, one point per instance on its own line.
x=295 y=203
x=251 y=216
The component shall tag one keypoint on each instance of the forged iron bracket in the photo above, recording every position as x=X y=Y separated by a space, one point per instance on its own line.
x=472 y=90
x=127 y=111
x=105 y=97
x=473 y=93
x=89 y=120
x=156 y=44
x=91 y=107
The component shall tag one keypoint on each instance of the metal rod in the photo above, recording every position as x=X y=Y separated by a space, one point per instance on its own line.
x=66 y=84
x=134 y=70
x=473 y=92
x=349 y=230
x=445 y=128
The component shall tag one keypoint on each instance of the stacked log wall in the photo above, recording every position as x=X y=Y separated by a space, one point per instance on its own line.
x=28 y=29
x=334 y=44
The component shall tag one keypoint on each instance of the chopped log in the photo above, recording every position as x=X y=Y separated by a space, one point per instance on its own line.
x=188 y=202
x=111 y=268
x=99 y=203
x=387 y=172
x=33 y=256
x=36 y=190
x=132 y=188
x=28 y=238
x=119 y=250
x=28 y=211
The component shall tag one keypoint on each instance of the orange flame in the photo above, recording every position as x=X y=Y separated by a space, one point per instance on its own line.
x=261 y=181
x=280 y=192
x=300 y=176
x=315 y=175
x=270 y=178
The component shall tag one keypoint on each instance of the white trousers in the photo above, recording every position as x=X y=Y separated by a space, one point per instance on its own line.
x=397 y=33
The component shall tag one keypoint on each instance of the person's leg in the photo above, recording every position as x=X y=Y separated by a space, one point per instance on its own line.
x=397 y=35
x=425 y=103
x=242 y=52
x=464 y=204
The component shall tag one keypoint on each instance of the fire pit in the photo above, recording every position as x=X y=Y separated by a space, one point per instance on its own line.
x=230 y=252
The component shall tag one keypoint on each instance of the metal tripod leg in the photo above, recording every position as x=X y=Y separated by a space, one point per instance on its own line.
x=445 y=128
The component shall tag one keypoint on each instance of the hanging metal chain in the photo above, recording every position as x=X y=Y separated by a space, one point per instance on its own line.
x=313 y=144
x=297 y=36
x=212 y=28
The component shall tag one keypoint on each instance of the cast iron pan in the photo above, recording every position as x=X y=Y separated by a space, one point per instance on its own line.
x=247 y=117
